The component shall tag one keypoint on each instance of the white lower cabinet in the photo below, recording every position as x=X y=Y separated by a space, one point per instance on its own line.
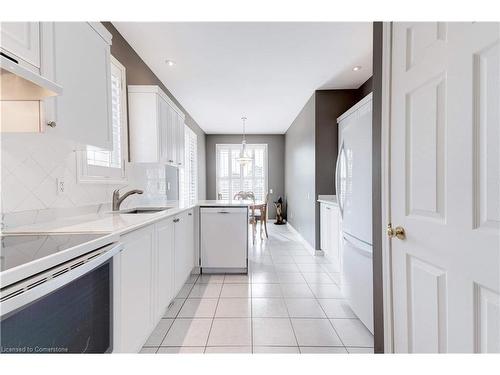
x=183 y=248
x=149 y=272
x=133 y=294
x=330 y=234
x=164 y=270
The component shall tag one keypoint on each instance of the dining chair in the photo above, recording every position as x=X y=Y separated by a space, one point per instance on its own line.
x=260 y=214
x=252 y=220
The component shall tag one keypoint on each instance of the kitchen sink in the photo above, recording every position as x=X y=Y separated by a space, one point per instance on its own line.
x=141 y=210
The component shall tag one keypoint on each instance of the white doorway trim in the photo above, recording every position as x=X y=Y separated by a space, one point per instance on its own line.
x=385 y=179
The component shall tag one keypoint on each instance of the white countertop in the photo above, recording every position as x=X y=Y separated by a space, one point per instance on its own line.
x=116 y=223
x=328 y=199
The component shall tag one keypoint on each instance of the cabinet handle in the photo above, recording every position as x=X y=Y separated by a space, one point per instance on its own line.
x=52 y=124
x=190 y=214
x=170 y=161
x=176 y=220
x=222 y=212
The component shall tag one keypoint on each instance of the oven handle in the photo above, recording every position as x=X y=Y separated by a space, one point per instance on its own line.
x=49 y=286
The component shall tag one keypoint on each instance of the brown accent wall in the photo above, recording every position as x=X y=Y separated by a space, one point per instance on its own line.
x=365 y=88
x=331 y=104
x=377 y=225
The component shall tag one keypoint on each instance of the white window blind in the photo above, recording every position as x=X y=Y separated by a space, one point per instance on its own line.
x=188 y=175
x=233 y=177
x=103 y=164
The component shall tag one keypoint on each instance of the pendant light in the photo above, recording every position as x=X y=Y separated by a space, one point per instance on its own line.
x=244 y=158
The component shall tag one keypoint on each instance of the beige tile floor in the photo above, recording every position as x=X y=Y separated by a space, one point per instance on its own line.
x=290 y=302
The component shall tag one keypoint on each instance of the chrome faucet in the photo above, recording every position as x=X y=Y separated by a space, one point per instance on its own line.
x=117 y=200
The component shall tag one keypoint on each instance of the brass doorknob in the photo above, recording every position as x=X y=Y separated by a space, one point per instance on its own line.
x=398 y=232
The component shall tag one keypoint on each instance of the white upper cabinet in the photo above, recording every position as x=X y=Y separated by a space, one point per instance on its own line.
x=156 y=127
x=76 y=56
x=29 y=44
x=82 y=66
x=21 y=42
x=180 y=142
x=171 y=137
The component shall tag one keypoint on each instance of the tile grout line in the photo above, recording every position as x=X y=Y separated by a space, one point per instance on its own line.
x=175 y=317
x=213 y=318
x=251 y=315
x=290 y=319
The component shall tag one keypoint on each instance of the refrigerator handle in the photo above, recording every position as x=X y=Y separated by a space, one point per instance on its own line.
x=337 y=185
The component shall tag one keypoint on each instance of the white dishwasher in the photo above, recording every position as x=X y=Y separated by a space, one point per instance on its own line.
x=224 y=239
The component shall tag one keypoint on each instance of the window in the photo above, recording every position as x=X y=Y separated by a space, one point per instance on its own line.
x=233 y=177
x=188 y=175
x=99 y=165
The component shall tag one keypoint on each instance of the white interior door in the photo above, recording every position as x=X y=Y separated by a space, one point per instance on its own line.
x=445 y=165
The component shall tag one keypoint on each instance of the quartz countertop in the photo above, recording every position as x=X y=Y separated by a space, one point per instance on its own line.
x=116 y=223
x=328 y=199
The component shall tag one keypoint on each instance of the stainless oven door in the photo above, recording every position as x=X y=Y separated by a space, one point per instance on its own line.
x=67 y=309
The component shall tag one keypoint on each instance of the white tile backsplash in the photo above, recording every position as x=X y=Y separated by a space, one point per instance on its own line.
x=30 y=165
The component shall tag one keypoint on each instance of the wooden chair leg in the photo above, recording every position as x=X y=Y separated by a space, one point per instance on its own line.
x=265 y=228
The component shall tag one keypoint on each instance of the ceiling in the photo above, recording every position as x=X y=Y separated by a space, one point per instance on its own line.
x=265 y=71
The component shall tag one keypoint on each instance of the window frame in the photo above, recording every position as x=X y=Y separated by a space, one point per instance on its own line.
x=238 y=146
x=87 y=173
x=186 y=170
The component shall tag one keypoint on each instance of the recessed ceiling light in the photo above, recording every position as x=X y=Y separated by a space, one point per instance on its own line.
x=170 y=62
x=356 y=68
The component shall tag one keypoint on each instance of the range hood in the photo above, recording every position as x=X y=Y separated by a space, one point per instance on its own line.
x=19 y=83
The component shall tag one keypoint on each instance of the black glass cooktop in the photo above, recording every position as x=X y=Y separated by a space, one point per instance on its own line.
x=17 y=250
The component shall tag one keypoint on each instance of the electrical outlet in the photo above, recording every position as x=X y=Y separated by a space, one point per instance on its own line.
x=270 y=191
x=168 y=185
x=61 y=186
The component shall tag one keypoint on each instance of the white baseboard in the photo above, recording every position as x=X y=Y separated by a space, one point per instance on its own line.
x=307 y=245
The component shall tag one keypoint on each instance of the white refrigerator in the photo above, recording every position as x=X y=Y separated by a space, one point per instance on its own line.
x=353 y=182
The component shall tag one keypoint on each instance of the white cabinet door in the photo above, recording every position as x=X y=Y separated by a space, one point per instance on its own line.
x=82 y=68
x=164 y=266
x=190 y=245
x=334 y=237
x=323 y=225
x=135 y=318
x=330 y=233
x=180 y=254
x=163 y=138
x=171 y=136
x=21 y=41
x=144 y=113
x=180 y=141
x=155 y=129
